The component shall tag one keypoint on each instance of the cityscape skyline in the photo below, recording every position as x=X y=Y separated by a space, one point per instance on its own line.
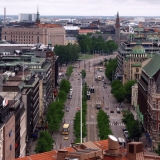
x=82 y=8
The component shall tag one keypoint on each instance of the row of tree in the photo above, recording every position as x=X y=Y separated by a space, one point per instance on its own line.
x=110 y=70
x=132 y=125
x=67 y=53
x=69 y=71
x=76 y=125
x=56 y=109
x=103 y=125
x=91 y=44
x=122 y=92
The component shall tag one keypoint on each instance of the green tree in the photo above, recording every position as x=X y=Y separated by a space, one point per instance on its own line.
x=83 y=72
x=69 y=71
x=65 y=85
x=45 y=142
x=128 y=87
x=120 y=94
x=111 y=68
x=103 y=125
x=158 y=149
x=62 y=95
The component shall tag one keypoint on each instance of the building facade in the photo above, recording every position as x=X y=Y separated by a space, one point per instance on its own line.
x=26 y=17
x=35 y=35
x=149 y=100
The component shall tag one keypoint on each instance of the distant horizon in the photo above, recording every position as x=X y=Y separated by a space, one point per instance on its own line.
x=82 y=16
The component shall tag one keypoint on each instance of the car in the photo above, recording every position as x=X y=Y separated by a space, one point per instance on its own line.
x=67 y=109
x=105 y=86
x=66 y=137
x=103 y=80
x=124 y=129
x=104 y=83
x=69 y=96
x=126 y=133
x=118 y=110
x=106 y=107
x=111 y=111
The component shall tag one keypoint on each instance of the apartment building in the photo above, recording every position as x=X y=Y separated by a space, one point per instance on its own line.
x=149 y=100
x=35 y=35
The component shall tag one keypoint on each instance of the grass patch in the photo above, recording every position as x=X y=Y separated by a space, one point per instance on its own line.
x=85 y=56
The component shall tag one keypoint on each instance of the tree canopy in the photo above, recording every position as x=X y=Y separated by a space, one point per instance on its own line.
x=67 y=53
x=103 y=125
x=128 y=87
x=45 y=142
x=111 y=68
x=91 y=44
x=132 y=125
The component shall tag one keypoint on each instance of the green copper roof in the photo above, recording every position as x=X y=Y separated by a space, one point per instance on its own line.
x=152 y=66
x=138 y=49
x=136 y=65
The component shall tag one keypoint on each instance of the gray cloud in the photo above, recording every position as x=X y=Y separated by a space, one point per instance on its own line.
x=83 y=7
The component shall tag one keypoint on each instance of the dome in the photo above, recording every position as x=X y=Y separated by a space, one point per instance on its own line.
x=138 y=49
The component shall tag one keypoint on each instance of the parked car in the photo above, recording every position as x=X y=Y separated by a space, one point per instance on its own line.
x=106 y=107
x=118 y=110
x=124 y=129
x=67 y=109
x=104 y=83
x=112 y=111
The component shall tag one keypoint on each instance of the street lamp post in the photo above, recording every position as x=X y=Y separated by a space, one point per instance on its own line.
x=81 y=111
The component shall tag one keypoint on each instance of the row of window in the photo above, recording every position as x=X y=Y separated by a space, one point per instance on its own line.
x=21 y=36
x=24 y=33
x=21 y=40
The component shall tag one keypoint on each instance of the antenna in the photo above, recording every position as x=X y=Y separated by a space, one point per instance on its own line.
x=4 y=18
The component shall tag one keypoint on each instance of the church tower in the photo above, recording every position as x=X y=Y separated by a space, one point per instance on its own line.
x=38 y=19
x=117 y=30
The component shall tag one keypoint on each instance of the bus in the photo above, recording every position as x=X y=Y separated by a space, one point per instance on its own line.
x=100 y=69
x=65 y=129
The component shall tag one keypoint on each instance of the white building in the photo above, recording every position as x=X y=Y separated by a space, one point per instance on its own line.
x=27 y=17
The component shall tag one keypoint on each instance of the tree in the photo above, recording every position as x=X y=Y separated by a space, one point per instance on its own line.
x=65 y=85
x=62 y=95
x=83 y=72
x=111 y=68
x=103 y=125
x=67 y=53
x=158 y=149
x=120 y=94
x=128 y=87
x=69 y=71
x=45 y=142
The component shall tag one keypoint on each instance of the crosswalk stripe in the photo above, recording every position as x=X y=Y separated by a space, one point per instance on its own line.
x=118 y=124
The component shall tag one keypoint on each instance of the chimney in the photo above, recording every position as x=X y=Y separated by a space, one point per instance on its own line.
x=135 y=151
x=61 y=154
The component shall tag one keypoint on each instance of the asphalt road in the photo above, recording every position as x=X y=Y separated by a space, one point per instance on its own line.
x=74 y=104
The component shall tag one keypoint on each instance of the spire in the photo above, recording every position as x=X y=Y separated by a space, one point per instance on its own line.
x=37 y=19
x=117 y=21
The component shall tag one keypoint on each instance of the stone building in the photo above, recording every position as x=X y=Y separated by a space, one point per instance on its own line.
x=133 y=63
x=149 y=100
x=35 y=35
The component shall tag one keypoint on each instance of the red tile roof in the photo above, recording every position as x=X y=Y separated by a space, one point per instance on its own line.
x=51 y=155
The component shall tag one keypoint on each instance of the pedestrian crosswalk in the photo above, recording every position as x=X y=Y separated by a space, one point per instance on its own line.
x=95 y=122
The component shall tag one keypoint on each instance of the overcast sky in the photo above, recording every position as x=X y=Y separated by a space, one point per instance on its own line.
x=82 y=7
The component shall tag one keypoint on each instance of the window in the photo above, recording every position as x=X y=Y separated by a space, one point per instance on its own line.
x=10 y=147
x=10 y=133
x=158 y=104
x=153 y=104
x=159 y=116
x=159 y=126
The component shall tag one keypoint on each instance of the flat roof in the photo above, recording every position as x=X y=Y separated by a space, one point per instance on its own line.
x=17 y=45
x=8 y=95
